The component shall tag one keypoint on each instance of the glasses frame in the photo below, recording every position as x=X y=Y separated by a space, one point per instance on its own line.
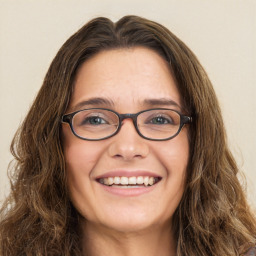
x=67 y=118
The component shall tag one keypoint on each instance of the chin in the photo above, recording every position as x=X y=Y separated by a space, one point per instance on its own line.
x=128 y=225
x=130 y=219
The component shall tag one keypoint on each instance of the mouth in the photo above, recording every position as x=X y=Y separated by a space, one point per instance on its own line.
x=129 y=182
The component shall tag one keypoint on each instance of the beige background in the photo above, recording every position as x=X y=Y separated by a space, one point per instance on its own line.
x=222 y=33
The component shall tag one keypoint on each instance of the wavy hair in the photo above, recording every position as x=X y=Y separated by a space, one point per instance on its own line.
x=213 y=217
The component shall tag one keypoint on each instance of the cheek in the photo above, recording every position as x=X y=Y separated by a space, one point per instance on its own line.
x=174 y=154
x=174 y=157
x=80 y=157
x=79 y=154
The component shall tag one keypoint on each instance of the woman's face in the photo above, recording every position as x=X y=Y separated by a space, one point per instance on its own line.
x=126 y=81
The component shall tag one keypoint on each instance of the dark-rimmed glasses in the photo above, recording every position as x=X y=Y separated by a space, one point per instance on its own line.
x=156 y=124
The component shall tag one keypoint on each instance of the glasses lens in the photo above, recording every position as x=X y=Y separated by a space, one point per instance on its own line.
x=159 y=123
x=95 y=123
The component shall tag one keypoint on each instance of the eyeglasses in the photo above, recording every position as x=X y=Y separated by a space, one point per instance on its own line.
x=156 y=124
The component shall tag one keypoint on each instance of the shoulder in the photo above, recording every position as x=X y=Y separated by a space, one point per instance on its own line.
x=250 y=252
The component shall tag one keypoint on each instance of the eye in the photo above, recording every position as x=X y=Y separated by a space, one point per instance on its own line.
x=160 y=120
x=94 y=120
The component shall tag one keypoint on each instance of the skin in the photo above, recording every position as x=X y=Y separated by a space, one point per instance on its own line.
x=126 y=225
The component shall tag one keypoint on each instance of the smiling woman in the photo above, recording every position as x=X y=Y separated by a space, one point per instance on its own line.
x=124 y=153
x=130 y=156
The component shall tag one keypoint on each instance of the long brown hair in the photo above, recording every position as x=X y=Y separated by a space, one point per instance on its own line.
x=38 y=218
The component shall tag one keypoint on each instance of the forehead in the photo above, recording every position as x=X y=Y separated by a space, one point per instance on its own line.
x=127 y=77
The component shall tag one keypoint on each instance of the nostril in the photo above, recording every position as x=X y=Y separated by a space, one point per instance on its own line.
x=117 y=155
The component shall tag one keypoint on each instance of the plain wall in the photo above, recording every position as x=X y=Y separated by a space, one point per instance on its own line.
x=222 y=34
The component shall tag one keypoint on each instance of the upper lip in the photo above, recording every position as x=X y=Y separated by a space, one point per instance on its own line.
x=127 y=173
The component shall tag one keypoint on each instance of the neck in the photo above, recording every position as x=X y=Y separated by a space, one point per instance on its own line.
x=100 y=241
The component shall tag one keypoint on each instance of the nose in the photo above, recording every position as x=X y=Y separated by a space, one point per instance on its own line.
x=127 y=144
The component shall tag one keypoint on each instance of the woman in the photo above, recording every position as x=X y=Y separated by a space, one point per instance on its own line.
x=124 y=153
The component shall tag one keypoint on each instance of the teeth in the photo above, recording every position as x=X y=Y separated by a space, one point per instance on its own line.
x=146 y=179
x=116 y=180
x=124 y=181
x=110 y=181
x=140 y=180
x=132 y=180
x=151 y=181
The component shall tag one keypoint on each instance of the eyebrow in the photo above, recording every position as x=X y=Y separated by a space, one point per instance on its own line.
x=161 y=102
x=95 y=102
x=99 y=102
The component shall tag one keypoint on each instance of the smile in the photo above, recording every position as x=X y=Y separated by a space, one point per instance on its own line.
x=129 y=182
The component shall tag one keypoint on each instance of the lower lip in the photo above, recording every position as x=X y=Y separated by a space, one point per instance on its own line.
x=128 y=192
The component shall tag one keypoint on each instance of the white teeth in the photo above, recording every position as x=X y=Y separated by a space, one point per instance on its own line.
x=146 y=179
x=124 y=181
x=110 y=181
x=116 y=180
x=140 y=180
x=151 y=181
x=132 y=180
